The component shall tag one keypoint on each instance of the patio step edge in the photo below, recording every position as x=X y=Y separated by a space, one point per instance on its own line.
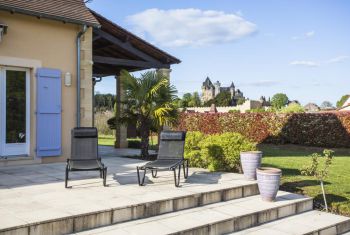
x=218 y=218
x=311 y=222
x=110 y=216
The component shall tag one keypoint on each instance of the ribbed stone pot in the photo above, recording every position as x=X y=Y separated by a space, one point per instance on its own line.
x=250 y=161
x=268 y=182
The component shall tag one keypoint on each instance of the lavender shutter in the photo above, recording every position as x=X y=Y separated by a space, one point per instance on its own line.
x=48 y=120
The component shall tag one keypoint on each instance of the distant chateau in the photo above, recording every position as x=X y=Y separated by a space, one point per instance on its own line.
x=210 y=91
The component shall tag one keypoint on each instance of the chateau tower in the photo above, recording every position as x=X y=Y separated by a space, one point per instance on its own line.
x=232 y=89
x=217 y=86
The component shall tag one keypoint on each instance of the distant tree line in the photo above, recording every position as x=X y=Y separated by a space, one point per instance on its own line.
x=104 y=102
x=194 y=100
x=189 y=100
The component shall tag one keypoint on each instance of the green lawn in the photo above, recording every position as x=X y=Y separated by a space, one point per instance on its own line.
x=109 y=140
x=292 y=158
x=106 y=140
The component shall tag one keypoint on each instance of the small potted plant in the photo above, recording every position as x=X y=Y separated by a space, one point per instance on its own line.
x=250 y=161
x=268 y=182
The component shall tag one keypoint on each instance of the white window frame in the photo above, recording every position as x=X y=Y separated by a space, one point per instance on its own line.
x=13 y=149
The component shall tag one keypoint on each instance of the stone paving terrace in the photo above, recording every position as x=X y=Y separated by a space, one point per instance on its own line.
x=33 y=201
x=33 y=197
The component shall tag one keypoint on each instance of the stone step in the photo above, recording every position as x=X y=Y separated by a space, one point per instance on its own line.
x=312 y=222
x=218 y=218
x=79 y=216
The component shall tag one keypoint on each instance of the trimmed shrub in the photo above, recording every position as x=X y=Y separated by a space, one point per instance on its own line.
x=192 y=150
x=218 y=152
x=293 y=108
x=330 y=129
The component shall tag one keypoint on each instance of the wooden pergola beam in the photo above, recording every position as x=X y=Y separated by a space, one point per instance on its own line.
x=127 y=46
x=96 y=38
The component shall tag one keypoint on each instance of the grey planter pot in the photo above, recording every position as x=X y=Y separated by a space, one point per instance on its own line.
x=268 y=182
x=250 y=161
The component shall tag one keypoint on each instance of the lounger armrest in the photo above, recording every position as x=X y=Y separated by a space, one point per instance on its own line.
x=177 y=164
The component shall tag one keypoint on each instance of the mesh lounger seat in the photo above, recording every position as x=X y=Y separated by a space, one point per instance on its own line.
x=170 y=157
x=84 y=153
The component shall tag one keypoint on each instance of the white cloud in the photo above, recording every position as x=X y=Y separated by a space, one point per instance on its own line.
x=304 y=36
x=310 y=34
x=307 y=63
x=190 y=27
x=310 y=63
x=337 y=59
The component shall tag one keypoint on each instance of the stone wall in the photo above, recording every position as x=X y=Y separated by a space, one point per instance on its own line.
x=247 y=105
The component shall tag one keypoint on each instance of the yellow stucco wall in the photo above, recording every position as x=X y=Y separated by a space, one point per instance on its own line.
x=51 y=44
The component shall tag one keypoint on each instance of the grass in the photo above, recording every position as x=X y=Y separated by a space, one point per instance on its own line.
x=108 y=140
x=291 y=159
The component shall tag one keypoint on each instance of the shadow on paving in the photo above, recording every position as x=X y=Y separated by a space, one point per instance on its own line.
x=335 y=203
x=200 y=177
x=39 y=174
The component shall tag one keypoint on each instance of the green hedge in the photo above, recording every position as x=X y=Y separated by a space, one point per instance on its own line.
x=217 y=152
x=331 y=129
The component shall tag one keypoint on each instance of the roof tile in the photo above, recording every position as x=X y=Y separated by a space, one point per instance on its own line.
x=72 y=11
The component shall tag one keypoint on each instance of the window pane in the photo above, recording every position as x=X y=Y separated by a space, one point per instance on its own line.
x=15 y=106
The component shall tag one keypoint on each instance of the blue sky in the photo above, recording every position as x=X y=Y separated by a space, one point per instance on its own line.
x=301 y=48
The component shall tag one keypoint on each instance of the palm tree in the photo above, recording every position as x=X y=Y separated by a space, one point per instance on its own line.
x=149 y=102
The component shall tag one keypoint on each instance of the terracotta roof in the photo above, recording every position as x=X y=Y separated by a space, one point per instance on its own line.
x=70 y=11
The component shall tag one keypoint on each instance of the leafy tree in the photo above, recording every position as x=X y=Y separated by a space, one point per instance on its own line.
x=149 y=101
x=189 y=100
x=326 y=104
x=342 y=100
x=104 y=102
x=209 y=103
x=293 y=108
x=222 y=99
x=195 y=100
x=319 y=172
x=279 y=100
x=186 y=99
x=240 y=101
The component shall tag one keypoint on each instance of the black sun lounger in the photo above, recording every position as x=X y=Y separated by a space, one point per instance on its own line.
x=170 y=157
x=84 y=153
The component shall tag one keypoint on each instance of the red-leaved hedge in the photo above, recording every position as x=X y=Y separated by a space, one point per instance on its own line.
x=331 y=129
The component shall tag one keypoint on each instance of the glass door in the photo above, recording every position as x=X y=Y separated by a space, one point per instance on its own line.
x=14 y=103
